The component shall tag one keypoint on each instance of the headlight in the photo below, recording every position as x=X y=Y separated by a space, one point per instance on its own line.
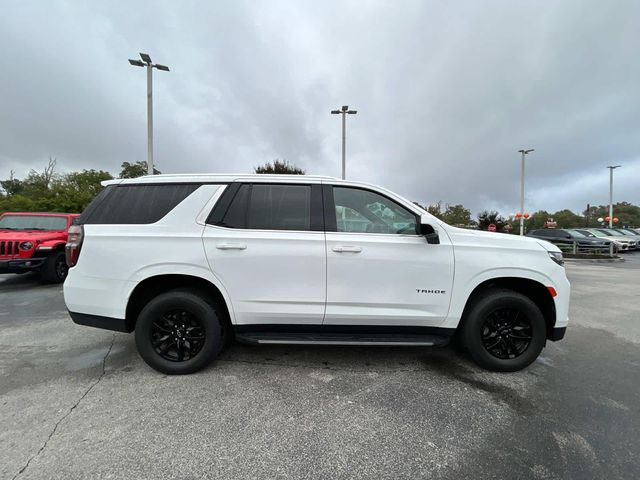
x=26 y=245
x=556 y=257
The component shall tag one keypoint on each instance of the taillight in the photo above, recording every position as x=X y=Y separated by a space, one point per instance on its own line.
x=74 y=244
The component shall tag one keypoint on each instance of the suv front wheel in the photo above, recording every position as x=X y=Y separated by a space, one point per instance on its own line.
x=504 y=331
x=178 y=332
x=55 y=268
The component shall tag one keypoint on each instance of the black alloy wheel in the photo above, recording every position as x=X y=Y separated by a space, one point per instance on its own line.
x=506 y=333
x=179 y=331
x=503 y=330
x=177 y=335
x=61 y=267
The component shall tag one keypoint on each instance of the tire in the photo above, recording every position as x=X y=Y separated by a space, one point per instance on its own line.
x=163 y=317
x=504 y=318
x=55 y=268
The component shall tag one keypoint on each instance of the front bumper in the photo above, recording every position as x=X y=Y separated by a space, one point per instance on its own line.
x=20 y=265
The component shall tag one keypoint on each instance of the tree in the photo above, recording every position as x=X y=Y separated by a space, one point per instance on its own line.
x=458 y=215
x=567 y=219
x=47 y=191
x=537 y=220
x=279 y=167
x=74 y=191
x=12 y=186
x=627 y=213
x=485 y=218
x=135 y=170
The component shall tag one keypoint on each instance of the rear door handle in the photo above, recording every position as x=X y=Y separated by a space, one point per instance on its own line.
x=347 y=248
x=231 y=246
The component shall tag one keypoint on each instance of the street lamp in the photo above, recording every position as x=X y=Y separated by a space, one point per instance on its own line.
x=344 y=111
x=611 y=169
x=146 y=62
x=523 y=152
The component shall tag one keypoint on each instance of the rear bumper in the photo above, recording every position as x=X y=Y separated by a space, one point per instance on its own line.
x=557 y=334
x=20 y=265
x=107 y=323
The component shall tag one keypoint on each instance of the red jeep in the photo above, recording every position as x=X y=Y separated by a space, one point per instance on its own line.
x=35 y=242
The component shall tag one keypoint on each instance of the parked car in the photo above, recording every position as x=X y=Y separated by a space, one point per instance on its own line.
x=35 y=242
x=630 y=233
x=567 y=238
x=278 y=259
x=624 y=243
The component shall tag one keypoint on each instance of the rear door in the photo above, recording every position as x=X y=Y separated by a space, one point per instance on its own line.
x=265 y=242
x=380 y=272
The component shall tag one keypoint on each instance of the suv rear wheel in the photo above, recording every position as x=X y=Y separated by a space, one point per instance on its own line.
x=504 y=331
x=179 y=332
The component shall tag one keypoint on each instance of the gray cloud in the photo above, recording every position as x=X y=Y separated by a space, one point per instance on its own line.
x=446 y=92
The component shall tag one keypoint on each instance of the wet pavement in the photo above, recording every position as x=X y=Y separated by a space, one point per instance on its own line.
x=77 y=402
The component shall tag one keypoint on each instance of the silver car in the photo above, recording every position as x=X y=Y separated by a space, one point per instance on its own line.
x=624 y=242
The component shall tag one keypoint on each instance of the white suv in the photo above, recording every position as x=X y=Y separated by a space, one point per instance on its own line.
x=190 y=262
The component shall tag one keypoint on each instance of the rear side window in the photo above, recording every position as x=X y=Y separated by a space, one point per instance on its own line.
x=135 y=204
x=270 y=207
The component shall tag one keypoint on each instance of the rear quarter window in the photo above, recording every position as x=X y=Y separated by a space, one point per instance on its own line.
x=135 y=204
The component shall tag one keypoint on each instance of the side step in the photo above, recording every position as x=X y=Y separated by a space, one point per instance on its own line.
x=272 y=338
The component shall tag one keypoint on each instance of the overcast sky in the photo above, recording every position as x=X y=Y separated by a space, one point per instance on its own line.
x=446 y=92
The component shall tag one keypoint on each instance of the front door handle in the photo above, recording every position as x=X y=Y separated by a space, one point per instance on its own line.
x=347 y=248
x=231 y=246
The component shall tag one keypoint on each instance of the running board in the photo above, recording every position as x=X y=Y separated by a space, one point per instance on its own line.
x=268 y=338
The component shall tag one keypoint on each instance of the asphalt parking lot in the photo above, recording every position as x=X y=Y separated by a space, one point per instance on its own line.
x=77 y=402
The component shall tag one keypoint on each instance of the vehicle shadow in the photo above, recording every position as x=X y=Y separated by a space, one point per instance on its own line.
x=12 y=281
x=346 y=358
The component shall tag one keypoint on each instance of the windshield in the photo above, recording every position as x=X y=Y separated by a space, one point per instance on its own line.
x=598 y=233
x=576 y=233
x=33 y=222
x=626 y=232
x=586 y=233
x=612 y=233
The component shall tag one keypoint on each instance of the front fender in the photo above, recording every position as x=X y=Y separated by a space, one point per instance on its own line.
x=51 y=245
x=463 y=287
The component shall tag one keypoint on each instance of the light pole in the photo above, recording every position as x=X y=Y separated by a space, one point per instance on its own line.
x=524 y=153
x=146 y=62
x=611 y=169
x=344 y=111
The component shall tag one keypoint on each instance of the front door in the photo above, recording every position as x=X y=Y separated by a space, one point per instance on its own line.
x=267 y=248
x=380 y=272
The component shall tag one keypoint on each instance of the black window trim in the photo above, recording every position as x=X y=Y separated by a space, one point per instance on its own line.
x=330 y=210
x=316 y=212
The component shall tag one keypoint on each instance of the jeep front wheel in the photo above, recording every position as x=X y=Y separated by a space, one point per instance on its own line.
x=55 y=268
x=504 y=331
x=178 y=332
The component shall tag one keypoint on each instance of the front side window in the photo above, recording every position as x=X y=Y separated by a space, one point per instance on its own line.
x=270 y=207
x=363 y=211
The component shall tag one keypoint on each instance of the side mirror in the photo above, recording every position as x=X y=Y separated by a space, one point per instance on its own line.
x=428 y=232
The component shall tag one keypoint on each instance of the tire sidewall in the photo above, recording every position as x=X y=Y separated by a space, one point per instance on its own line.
x=196 y=306
x=50 y=271
x=472 y=329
